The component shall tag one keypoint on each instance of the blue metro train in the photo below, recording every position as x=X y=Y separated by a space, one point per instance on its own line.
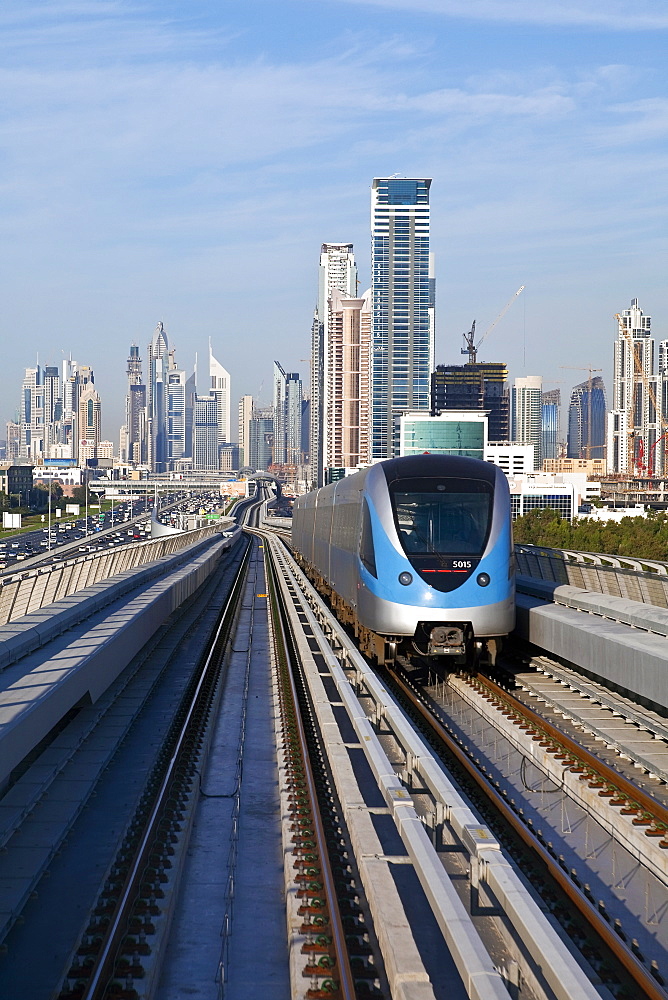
x=416 y=554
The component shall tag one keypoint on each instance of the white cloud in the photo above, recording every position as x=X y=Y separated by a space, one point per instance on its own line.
x=618 y=15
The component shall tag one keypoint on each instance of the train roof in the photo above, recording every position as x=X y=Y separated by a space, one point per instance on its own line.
x=427 y=466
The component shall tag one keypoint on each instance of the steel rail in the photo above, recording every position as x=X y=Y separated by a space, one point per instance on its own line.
x=639 y=974
x=288 y=650
x=645 y=802
x=103 y=970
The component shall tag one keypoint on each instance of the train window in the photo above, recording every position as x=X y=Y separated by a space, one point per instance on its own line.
x=447 y=517
x=367 y=554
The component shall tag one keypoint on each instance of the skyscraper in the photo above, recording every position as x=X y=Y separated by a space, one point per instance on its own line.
x=88 y=423
x=245 y=416
x=220 y=389
x=205 y=434
x=402 y=296
x=550 y=413
x=634 y=425
x=133 y=433
x=156 y=400
x=337 y=272
x=347 y=403
x=527 y=414
x=587 y=420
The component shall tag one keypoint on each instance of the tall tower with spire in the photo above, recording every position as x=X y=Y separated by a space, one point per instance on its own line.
x=156 y=399
x=219 y=387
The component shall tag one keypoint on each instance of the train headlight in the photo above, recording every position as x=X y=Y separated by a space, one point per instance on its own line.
x=405 y=579
x=482 y=579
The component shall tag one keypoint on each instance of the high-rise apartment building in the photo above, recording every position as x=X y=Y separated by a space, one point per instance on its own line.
x=526 y=413
x=402 y=302
x=337 y=273
x=347 y=403
x=634 y=424
x=479 y=386
x=245 y=416
x=587 y=420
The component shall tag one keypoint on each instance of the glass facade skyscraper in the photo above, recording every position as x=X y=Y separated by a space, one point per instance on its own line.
x=402 y=305
x=587 y=420
x=549 y=442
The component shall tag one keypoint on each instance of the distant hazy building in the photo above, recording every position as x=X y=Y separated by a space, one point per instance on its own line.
x=402 y=302
x=89 y=423
x=587 y=420
x=550 y=424
x=245 y=417
x=12 y=446
x=479 y=386
x=526 y=412
x=133 y=432
x=261 y=444
x=156 y=400
x=287 y=417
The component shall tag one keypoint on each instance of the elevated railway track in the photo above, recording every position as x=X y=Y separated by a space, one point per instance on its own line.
x=252 y=763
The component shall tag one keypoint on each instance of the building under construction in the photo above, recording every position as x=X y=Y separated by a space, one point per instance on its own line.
x=482 y=385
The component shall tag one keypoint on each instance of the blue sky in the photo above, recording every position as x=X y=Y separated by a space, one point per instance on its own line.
x=183 y=162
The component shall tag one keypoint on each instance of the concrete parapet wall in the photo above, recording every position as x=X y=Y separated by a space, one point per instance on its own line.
x=43 y=586
x=632 y=660
x=26 y=633
x=37 y=692
x=552 y=565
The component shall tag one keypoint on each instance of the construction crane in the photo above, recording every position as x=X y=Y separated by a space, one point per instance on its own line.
x=591 y=371
x=470 y=347
x=630 y=408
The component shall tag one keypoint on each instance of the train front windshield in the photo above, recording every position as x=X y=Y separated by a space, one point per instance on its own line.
x=443 y=526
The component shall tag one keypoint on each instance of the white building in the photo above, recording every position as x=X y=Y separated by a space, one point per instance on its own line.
x=245 y=416
x=634 y=425
x=514 y=458
x=220 y=388
x=347 y=389
x=526 y=415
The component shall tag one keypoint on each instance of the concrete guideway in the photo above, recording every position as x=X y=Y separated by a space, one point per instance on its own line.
x=538 y=950
x=627 y=657
x=38 y=689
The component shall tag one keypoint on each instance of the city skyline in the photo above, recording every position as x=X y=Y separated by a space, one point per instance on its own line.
x=133 y=188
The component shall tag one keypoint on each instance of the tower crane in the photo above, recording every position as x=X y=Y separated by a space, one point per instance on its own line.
x=638 y=371
x=590 y=370
x=470 y=347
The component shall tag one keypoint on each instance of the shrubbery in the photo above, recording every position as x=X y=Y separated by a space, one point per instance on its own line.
x=644 y=537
